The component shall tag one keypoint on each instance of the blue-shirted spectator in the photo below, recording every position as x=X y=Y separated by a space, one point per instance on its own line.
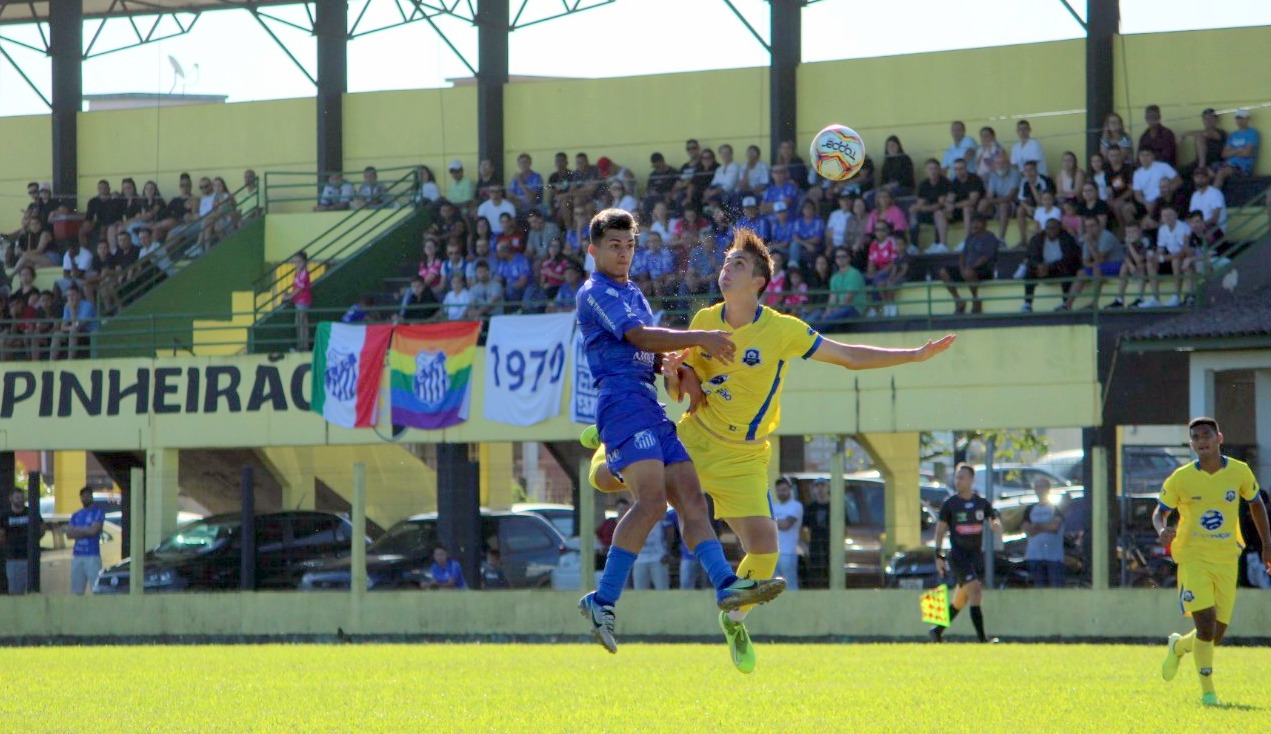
x=1240 y=151
x=85 y=528
x=751 y=219
x=526 y=187
x=809 y=233
x=513 y=269
x=782 y=190
x=445 y=571
x=653 y=268
x=566 y=298
x=79 y=320
x=782 y=232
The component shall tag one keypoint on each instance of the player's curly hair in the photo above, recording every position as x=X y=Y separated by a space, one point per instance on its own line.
x=747 y=241
x=619 y=219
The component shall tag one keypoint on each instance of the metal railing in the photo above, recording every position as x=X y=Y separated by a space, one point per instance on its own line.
x=290 y=192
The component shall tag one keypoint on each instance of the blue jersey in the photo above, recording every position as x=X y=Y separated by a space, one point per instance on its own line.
x=87 y=517
x=607 y=310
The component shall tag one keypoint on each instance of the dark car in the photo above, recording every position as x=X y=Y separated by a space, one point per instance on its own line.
x=916 y=568
x=530 y=548
x=206 y=555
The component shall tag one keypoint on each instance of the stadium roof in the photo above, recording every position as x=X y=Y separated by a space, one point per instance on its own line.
x=1236 y=323
x=24 y=11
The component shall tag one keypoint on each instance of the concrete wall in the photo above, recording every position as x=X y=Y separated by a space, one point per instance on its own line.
x=1033 y=614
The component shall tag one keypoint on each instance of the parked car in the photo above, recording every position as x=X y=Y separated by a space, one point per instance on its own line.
x=206 y=555
x=560 y=516
x=916 y=568
x=1014 y=480
x=1143 y=468
x=533 y=552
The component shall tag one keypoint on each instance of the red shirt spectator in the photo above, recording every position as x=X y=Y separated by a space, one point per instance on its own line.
x=882 y=253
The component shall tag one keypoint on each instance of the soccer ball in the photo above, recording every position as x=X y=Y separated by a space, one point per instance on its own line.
x=837 y=152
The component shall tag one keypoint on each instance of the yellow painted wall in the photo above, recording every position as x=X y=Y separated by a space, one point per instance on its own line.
x=406 y=128
x=25 y=156
x=1032 y=613
x=1013 y=377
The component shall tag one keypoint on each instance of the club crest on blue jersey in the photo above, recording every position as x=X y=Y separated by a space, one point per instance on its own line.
x=1211 y=520
x=751 y=357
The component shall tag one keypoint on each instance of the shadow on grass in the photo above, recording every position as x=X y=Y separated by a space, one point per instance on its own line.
x=1236 y=707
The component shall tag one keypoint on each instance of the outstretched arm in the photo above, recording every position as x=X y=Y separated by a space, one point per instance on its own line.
x=657 y=339
x=862 y=357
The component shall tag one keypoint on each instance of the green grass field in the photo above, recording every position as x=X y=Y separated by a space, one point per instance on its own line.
x=645 y=688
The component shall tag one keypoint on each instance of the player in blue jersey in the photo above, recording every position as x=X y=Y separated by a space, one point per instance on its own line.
x=643 y=448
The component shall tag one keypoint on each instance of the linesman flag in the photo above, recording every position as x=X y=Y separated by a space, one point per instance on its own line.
x=935 y=606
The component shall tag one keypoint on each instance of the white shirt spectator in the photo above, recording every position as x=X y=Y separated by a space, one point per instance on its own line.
x=206 y=205
x=491 y=212
x=1207 y=201
x=336 y=195
x=837 y=226
x=788 y=539
x=1041 y=216
x=429 y=191
x=456 y=304
x=958 y=151
x=83 y=260
x=726 y=176
x=1172 y=239
x=627 y=203
x=757 y=178
x=1022 y=153
x=1148 y=180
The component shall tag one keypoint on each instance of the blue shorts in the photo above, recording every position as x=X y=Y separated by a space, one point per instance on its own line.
x=659 y=442
x=1105 y=269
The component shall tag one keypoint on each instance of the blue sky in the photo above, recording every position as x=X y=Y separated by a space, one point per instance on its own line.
x=228 y=53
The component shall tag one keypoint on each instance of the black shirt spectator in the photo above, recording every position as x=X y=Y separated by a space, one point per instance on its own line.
x=962 y=190
x=930 y=193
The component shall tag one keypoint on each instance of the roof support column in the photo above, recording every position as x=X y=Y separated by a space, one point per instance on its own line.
x=785 y=49
x=330 y=25
x=66 y=46
x=1103 y=22
x=492 y=75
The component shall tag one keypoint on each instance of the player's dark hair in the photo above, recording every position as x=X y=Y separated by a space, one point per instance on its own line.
x=964 y=465
x=1203 y=420
x=745 y=240
x=607 y=219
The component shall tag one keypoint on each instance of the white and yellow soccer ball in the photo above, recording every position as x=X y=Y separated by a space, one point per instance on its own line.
x=837 y=152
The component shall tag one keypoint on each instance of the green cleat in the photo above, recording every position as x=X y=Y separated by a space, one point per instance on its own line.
x=1210 y=699
x=738 y=643
x=590 y=437
x=749 y=591
x=1169 y=668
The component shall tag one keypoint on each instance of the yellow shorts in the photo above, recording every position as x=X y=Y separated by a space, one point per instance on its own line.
x=1205 y=584
x=735 y=475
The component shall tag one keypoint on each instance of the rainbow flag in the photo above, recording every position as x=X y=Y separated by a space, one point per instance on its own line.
x=431 y=373
x=935 y=606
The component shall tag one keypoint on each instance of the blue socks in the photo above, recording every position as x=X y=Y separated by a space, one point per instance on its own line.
x=711 y=555
x=614 y=577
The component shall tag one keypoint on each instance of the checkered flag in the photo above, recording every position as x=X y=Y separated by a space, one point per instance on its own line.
x=935 y=606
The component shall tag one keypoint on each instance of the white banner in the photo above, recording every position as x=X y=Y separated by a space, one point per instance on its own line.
x=525 y=367
x=582 y=406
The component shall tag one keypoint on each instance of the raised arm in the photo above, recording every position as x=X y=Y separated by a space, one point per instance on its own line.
x=657 y=339
x=863 y=357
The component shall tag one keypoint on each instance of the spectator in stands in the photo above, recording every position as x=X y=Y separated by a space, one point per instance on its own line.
x=808 y=235
x=965 y=192
x=837 y=223
x=567 y=295
x=788 y=156
x=700 y=179
x=17 y=333
x=175 y=212
x=337 y=194
x=847 y=293
x=1071 y=177
x=1240 y=152
x=653 y=268
x=1069 y=217
x=781 y=230
x=1031 y=186
x=689 y=228
x=618 y=198
x=445 y=572
x=122 y=269
x=1158 y=138
x=513 y=272
x=493 y=207
x=886 y=210
x=430 y=265
x=301 y=297
x=722 y=190
x=1052 y=254
x=755 y=175
x=585 y=183
x=152 y=204
x=898 y=170
x=34 y=210
x=487 y=293
x=930 y=207
x=1001 y=193
x=1120 y=179
x=882 y=271
x=693 y=149
x=661 y=184
x=1139 y=250
x=781 y=189
x=557 y=183
x=449 y=225
x=458 y=301
x=455 y=262
x=225 y=221
x=481 y=252
x=510 y=233
x=1174 y=257
x=796 y=299
x=701 y=269
x=752 y=219
x=1047 y=210
x=32 y=248
x=540 y=233
x=460 y=190
x=152 y=255
x=371 y=193
x=1153 y=183
x=360 y=312
x=77 y=261
x=1211 y=203
x=987 y=152
x=1027 y=149
x=576 y=238
x=249 y=206
x=26 y=283
x=612 y=172
x=1090 y=205
x=482 y=230
x=1114 y=135
x=429 y=192
x=859 y=185
x=1102 y=256
x=486 y=180
x=525 y=190
x=962 y=148
x=977 y=262
x=79 y=321
x=48 y=320
x=103 y=211
x=1208 y=142
x=130 y=206
x=819 y=276
x=1098 y=175
x=552 y=267
x=419 y=302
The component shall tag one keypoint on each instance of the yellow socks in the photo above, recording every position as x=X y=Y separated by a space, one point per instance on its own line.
x=754 y=566
x=1204 y=650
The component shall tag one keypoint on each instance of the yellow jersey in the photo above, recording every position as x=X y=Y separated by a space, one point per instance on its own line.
x=744 y=398
x=1208 y=510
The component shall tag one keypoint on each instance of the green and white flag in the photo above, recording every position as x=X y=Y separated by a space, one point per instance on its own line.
x=348 y=365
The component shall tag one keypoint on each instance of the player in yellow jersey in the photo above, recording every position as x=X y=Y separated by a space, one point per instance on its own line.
x=1206 y=544
x=735 y=407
